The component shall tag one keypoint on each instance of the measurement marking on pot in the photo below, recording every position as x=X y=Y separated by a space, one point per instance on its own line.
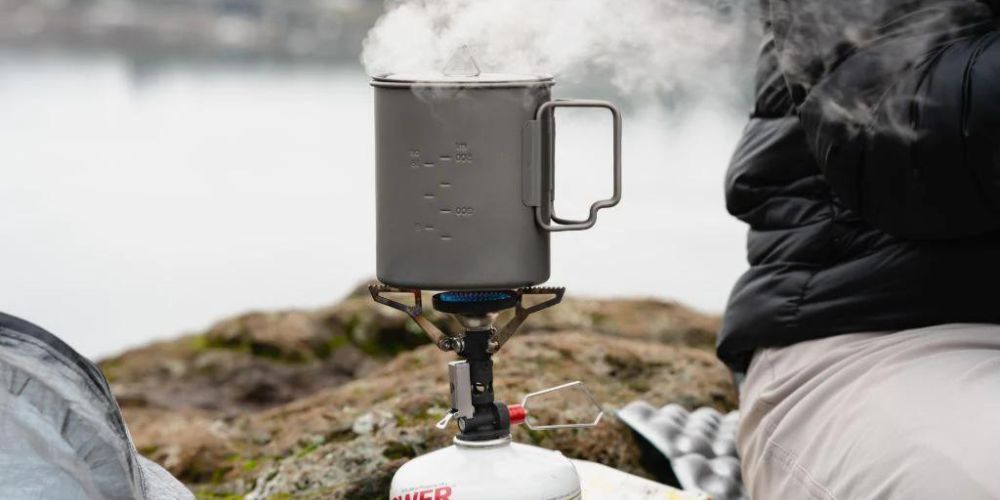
x=446 y=210
x=446 y=184
x=428 y=164
x=462 y=153
x=428 y=228
x=414 y=153
x=429 y=196
x=445 y=158
x=446 y=237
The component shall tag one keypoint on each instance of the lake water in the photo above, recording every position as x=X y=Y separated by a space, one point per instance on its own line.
x=138 y=205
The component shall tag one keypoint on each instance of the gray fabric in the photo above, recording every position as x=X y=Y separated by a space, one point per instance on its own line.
x=160 y=485
x=910 y=414
x=62 y=432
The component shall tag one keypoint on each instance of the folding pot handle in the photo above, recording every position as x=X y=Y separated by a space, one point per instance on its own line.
x=546 y=115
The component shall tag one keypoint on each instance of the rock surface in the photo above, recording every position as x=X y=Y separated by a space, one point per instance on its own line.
x=329 y=403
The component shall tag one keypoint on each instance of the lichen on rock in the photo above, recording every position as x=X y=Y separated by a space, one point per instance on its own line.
x=329 y=403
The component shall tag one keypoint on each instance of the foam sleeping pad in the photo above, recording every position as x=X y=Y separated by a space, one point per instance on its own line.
x=699 y=446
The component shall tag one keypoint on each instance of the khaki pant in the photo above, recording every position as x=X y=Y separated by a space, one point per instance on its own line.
x=913 y=414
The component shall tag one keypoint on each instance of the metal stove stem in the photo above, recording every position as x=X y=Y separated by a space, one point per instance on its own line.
x=480 y=417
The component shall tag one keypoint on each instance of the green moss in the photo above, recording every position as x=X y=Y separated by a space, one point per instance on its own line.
x=338 y=341
x=307 y=449
x=205 y=342
x=429 y=415
x=598 y=317
x=211 y=495
x=414 y=362
x=110 y=367
x=219 y=474
x=255 y=349
x=639 y=384
x=536 y=437
x=249 y=465
x=148 y=451
x=353 y=328
x=376 y=484
x=338 y=436
x=200 y=343
x=396 y=450
x=413 y=328
x=271 y=352
x=383 y=342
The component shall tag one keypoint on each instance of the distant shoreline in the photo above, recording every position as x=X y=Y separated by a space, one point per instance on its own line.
x=214 y=30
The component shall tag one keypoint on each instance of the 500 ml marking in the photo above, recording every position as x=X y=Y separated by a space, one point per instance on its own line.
x=459 y=211
x=462 y=153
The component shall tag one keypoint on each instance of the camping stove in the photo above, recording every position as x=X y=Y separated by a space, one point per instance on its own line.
x=483 y=463
x=465 y=183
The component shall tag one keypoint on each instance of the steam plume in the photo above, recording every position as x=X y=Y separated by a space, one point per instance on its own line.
x=644 y=47
x=679 y=48
x=875 y=44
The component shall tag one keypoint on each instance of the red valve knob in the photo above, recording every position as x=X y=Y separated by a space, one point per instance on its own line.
x=517 y=414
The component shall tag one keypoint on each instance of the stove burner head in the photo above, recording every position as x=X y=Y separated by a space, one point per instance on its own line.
x=475 y=302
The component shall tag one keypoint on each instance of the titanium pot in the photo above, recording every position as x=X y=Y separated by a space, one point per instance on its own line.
x=464 y=176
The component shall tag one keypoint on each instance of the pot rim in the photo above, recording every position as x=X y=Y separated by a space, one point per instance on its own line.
x=485 y=80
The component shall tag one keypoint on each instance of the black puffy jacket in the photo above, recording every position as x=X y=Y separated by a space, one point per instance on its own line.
x=869 y=172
